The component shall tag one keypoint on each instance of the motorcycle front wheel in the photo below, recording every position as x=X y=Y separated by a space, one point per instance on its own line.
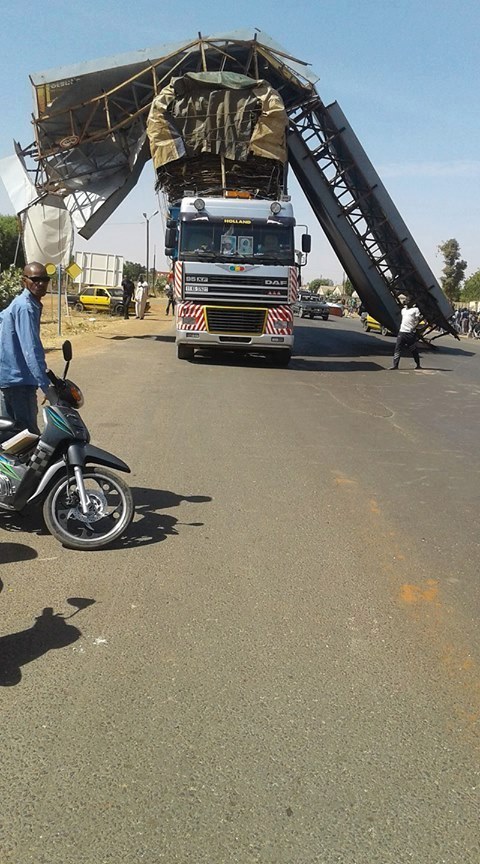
x=110 y=510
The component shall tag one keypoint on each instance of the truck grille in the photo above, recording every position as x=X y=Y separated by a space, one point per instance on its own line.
x=224 y=320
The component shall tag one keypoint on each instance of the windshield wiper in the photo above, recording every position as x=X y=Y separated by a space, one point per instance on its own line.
x=201 y=253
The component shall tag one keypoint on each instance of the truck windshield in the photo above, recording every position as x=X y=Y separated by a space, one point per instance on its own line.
x=255 y=242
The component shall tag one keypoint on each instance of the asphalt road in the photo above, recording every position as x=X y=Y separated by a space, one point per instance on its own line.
x=280 y=662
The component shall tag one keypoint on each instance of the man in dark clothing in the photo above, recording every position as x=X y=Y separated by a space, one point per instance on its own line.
x=128 y=289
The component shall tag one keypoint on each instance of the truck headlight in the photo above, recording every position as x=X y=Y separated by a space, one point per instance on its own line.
x=199 y=204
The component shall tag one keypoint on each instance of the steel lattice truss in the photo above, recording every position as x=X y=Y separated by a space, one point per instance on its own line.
x=90 y=148
x=80 y=139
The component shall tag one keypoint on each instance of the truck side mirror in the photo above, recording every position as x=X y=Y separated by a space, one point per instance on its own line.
x=169 y=251
x=171 y=236
x=306 y=243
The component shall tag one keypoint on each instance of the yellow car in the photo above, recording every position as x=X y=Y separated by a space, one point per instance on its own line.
x=371 y=324
x=98 y=297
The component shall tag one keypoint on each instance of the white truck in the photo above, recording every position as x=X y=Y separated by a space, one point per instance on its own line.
x=235 y=276
x=99 y=268
x=218 y=142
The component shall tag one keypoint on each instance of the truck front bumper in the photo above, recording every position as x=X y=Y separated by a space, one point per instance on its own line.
x=261 y=343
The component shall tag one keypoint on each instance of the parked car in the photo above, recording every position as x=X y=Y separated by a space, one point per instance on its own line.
x=371 y=324
x=98 y=297
x=310 y=306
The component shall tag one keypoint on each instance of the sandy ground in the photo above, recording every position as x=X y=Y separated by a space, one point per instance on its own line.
x=93 y=332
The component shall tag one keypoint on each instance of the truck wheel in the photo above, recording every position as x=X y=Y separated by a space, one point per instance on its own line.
x=79 y=307
x=281 y=357
x=185 y=352
x=118 y=310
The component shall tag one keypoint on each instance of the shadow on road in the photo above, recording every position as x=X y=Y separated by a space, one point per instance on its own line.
x=29 y=522
x=10 y=553
x=156 y=337
x=307 y=364
x=219 y=357
x=151 y=524
x=49 y=631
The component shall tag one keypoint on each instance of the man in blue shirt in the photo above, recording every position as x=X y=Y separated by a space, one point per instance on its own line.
x=22 y=358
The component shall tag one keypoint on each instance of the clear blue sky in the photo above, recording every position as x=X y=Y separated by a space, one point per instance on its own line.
x=405 y=74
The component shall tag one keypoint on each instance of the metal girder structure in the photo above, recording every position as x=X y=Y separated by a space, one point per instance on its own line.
x=90 y=123
x=90 y=148
x=90 y=128
x=360 y=219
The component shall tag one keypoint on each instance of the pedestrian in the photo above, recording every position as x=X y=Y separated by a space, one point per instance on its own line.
x=407 y=335
x=22 y=357
x=141 y=294
x=472 y=323
x=128 y=290
x=464 y=320
x=171 y=298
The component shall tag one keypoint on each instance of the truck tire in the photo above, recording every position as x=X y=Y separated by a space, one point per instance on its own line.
x=281 y=357
x=185 y=352
x=79 y=307
x=118 y=309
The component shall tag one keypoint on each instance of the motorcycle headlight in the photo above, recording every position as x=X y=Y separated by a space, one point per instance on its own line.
x=77 y=396
x=72 y=394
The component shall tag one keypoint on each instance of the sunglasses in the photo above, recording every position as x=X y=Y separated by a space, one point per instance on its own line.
x=39 y=278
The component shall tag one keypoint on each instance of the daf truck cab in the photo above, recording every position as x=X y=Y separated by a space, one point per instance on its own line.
x=235 y=274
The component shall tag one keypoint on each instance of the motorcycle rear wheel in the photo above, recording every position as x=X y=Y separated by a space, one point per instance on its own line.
x=111 y=510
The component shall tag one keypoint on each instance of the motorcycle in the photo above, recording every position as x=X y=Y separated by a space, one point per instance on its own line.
x=84 y=507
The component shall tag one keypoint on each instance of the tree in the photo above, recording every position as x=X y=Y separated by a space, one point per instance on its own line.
x=471 y=289
x=348 y=288
x=454 y=270
x=10 y=285
x=315 y=284
x=9 y=233
x=133 y=271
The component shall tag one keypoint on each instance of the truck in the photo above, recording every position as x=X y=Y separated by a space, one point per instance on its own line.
x=99 y=268
x=218 y=144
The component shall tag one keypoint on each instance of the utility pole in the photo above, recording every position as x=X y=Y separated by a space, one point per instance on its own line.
x=147 y=225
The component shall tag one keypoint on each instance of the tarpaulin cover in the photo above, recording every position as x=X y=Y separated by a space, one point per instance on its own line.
x=217 y=113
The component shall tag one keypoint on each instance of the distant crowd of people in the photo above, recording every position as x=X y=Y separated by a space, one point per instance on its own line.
x=467 y=322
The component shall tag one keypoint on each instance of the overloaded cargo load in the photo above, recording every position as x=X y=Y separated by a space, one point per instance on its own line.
x=213 y=131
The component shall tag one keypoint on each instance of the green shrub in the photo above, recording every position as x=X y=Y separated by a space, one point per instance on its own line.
x=10 y=285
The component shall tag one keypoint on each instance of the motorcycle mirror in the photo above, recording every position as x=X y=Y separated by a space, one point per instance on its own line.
x=67 y=350
x=67 y=355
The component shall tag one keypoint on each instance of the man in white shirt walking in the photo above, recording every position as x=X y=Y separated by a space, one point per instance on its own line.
x=407 y=335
